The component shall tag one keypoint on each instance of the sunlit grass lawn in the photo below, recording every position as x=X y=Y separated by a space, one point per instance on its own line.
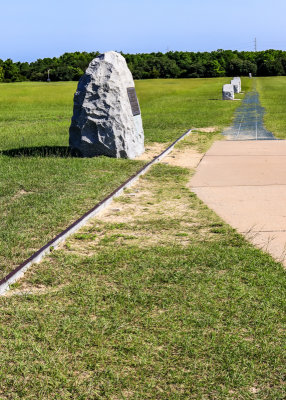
x=171 y=106
x=197 y=313
x=273 y=97
x=41 y=192
x=172 y=304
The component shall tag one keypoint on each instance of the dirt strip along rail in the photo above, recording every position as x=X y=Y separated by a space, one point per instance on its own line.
x=19 y=271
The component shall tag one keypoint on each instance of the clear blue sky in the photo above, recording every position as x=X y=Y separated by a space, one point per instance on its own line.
x=32 y=29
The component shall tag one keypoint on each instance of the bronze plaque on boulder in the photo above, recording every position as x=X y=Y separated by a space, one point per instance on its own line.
x=133 y=101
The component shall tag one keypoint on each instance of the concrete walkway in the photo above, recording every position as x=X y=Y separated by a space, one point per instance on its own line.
x=244 y=182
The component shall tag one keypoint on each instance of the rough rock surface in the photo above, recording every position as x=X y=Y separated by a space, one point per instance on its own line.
x=235 y=85
x=237 y=78
x=103 y=122
x=227 y=92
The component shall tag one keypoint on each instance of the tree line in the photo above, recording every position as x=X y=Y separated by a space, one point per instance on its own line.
x=173 y=64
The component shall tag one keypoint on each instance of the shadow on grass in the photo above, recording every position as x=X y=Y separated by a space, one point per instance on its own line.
x=41 y=151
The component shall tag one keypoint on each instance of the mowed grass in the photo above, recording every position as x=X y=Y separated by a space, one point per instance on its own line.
x=273 y=97
x=170 y=304
x=174 y=105
x=42 y=189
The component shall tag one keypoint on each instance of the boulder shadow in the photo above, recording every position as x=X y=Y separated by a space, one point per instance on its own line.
x=41 y=151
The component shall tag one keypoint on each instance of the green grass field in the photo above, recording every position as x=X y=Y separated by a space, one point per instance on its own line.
x=171 y=106
x=170 y=304
x=42 y=190
x=273 y=97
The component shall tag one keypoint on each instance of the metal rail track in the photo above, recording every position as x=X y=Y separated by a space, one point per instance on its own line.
x=19 y=271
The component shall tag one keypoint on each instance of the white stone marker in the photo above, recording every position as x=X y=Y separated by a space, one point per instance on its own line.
x=235 y=85
x=237 y=78
x=107 y=118
x=228 y=92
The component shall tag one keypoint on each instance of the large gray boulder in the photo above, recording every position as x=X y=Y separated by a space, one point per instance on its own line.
x=235 y=85
x=227 y=92
x=238 y=80
x=106 y=118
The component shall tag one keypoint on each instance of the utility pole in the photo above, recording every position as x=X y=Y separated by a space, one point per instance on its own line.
x=255 y=44
x=48 y=80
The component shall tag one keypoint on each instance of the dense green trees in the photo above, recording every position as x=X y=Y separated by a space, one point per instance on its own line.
x=173 y=64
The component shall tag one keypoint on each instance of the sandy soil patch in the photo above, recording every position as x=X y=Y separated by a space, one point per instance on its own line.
x=187 y=158
x=209 y=129
x=152 y=150
x=148 y=213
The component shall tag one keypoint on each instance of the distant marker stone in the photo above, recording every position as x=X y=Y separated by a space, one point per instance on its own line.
x=235 y=85
x=237 y=79
x=107 y=117
x=228 y=92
